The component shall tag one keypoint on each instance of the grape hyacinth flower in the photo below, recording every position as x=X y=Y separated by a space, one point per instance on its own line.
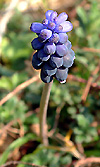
x=54 y=54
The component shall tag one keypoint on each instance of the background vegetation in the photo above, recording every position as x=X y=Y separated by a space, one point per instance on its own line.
x=74 y=107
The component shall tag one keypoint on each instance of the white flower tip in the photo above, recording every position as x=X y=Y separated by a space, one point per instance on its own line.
x=63 y=81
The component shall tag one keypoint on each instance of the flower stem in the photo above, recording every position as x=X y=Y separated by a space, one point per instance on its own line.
x=43 y=112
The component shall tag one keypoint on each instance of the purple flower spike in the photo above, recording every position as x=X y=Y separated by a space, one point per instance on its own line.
x=54 y=54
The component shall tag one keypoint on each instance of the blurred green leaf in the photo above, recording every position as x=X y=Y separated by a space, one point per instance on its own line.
x=6 y=83
x=82 y=14
x=5 y=71
x=82 y=121
x=82 y=60
x=10 y=83
x=16 y=144
x=94 y=152
x=13 y=109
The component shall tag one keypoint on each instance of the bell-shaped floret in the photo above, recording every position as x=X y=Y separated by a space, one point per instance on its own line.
x=67 y=61
x=48 y=70
x=61 y=50
x=68 y=44
x=36 y=44
x=42 y=55
x=53 y=16
x=46 y=78
x=61 y=74
x=51 y=25
x=48 y=13
x=58 y=28
x=66 y=26
x=54 y=38
x=45 y=22
x=45 y=34
x=36 y=62
x=63 y=37
x=49 y=48
x=61 y=18
x=56 y=61
x=72 y=53
x=37 y=27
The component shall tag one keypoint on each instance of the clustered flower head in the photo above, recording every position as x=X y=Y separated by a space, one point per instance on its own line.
x=54 y=54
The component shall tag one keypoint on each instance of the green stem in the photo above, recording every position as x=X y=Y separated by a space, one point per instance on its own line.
x=43 y=112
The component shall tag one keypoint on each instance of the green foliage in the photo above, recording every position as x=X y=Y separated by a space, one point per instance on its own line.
x=89 y=25
x=9 y=83
x=17 y=143
x=15 y=49
x=42 y=156
x=12 y=110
